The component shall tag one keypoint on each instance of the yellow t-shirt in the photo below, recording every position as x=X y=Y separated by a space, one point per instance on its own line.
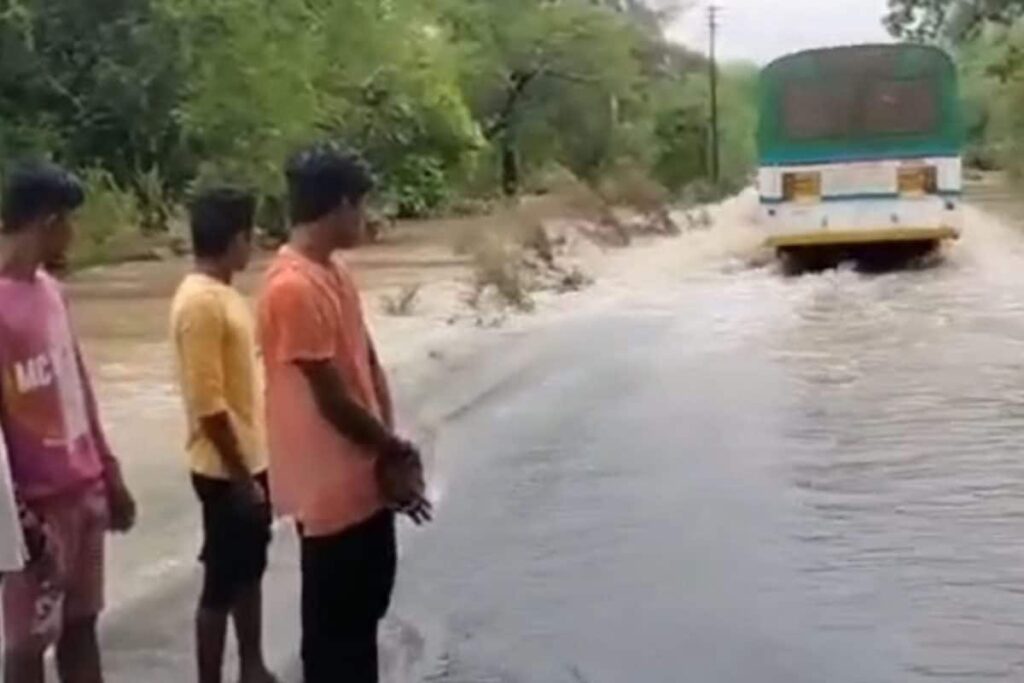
x=213 y=333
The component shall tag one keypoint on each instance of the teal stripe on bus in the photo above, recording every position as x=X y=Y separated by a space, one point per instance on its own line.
x=867 y=196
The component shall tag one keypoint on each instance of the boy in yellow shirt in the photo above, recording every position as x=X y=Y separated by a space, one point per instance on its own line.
x=213 y=334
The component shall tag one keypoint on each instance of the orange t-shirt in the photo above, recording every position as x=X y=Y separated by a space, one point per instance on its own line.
x=310 y=312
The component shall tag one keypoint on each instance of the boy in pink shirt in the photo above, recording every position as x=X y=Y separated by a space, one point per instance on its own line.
x=65 y=478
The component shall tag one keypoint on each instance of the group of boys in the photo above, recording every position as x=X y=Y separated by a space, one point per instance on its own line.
x=310 y=434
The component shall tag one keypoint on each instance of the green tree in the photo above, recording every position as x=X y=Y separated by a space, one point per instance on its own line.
x=442 y=96
x=987 y=37
x=250 y=94
x=264 y=77
x=947 y=19
x=90 y=84
x=398 y=100
x=529 y=65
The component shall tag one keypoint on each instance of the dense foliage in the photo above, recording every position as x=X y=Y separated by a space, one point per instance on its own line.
x=446 y=98
x=948 y=19
x=987 y=39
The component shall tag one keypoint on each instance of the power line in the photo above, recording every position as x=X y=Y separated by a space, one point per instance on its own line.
x=713 y=25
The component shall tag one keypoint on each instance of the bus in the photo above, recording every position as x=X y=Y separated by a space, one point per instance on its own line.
x=860 y=147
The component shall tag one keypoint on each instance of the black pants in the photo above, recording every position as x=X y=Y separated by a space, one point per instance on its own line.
x=347 y=580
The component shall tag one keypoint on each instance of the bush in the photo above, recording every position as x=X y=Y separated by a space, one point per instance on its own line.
x=272 y=218
x=155 y=208
x=109 y=218
x=417 y=188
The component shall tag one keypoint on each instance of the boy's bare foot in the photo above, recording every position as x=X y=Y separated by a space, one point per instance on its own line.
x=263 y=676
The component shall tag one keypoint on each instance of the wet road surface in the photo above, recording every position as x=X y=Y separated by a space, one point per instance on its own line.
x=745 y=478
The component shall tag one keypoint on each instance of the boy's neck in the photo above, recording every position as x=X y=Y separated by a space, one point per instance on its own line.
x=308 y=241
x=19 y=260
x=215 y=269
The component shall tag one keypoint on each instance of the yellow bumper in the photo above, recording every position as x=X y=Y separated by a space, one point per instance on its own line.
x=853 y=237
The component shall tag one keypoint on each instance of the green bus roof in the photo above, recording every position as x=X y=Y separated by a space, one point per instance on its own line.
x=859 y=103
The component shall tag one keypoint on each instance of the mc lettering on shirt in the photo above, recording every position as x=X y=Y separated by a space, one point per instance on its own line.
x=45 y=395
x=33 y=374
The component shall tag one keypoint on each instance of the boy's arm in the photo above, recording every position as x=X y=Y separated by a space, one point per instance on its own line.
x=399 y=463
x=123 y=510
x=200 y=334
x=380 y=385
x=111 y=467
x=219 y=430
x=18 y=551
x=344 y=414
x=302 y=338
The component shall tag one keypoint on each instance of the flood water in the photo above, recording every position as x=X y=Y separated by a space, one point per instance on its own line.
x=733 y=476
x=747 y=478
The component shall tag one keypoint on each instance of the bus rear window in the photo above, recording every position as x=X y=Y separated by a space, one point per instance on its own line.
x=851 y=110
x=813 y=111
x=901 y=107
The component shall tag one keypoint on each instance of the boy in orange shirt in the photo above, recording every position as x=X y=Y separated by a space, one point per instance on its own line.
x=336 y=464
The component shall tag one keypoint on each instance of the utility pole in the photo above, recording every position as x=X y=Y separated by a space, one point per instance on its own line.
x=716 y=158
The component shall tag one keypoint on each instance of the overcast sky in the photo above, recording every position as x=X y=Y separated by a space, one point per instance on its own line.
x=760 y=30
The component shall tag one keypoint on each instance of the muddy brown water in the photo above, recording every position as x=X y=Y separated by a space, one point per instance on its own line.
x=121 y=314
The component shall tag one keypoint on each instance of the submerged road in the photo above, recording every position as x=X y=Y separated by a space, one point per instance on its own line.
x=745 y=478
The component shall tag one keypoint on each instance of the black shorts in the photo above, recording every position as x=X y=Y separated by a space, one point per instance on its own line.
x=235 y=541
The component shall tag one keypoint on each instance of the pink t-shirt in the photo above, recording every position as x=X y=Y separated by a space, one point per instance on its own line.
x=309 y=312
x=47 y=409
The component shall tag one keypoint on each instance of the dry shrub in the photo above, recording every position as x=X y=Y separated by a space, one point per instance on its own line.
x=498 y=266
x=465 y=237
x=378 y=225
x=533 y=237
x=155 y=208
x=552 y=179
x=698 y=219
x=574 y=280
x=633 y=188
x=584 y=202
x=468 y=207
x=513 y=255
x=402 y=304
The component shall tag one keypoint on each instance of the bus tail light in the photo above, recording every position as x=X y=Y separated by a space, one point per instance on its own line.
x=801 y=187
x=918 y=181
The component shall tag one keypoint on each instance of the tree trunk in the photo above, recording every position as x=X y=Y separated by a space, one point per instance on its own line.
x=509 y=165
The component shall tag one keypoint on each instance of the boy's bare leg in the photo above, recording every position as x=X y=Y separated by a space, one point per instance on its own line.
x=23 y=667
x=248 y=617
x=78 y=653
x=211 y=634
